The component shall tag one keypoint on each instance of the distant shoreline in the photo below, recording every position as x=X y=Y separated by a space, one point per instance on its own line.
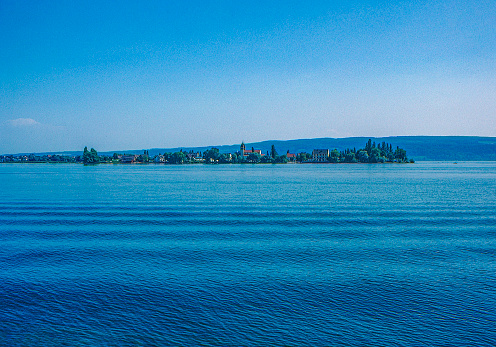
x=421 y=148
x=189 y=164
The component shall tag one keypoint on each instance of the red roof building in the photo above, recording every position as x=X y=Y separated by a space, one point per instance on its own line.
x=291 y=156
x=246 y=152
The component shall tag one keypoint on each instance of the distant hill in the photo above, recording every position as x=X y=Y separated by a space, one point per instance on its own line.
x=434 y=148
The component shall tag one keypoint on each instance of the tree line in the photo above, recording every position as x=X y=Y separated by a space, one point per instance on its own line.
x=370 y=153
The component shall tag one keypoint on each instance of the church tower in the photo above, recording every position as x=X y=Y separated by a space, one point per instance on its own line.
x=242 y=148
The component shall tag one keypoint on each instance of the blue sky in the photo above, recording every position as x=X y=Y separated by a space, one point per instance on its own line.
x=143 y=74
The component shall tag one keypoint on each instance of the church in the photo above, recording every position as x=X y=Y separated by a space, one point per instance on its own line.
x=246 y=152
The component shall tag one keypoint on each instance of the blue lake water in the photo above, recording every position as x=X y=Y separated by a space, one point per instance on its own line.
x=248 y=255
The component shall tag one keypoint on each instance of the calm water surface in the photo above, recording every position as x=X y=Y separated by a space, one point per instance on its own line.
x=243 y=255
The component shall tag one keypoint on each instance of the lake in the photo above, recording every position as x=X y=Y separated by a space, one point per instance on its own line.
x=248 y=255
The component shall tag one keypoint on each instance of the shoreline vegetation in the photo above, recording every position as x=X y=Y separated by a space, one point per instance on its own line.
x=370 y=153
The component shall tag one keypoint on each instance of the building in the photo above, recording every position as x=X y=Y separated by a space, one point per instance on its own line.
x=129 y=158
x=194 y=156
x=245 y=152
x=159 y=159
x=320 y=155
x=291 y=157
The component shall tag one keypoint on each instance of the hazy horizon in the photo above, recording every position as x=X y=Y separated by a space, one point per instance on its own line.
x=265 y=144
x=165 y=74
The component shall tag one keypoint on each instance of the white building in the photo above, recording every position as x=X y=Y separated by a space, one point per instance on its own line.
x=320 y=155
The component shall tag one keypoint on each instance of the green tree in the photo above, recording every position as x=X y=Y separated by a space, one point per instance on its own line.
x=273 y=152
x=302 y=157
x=281 y=159
x=91 y=156
x=145 y=157
x=363 y=156
x=368 y=146
x=375 y=155
x=334 y=156
x=211 y=156
x=400 y=154
x=236 y=158
x=253 y=158
x=266 y=159
x=225 y=158
x=350 y=157
x=177 y=158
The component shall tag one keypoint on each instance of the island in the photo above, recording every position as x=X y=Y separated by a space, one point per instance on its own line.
x=371 y=153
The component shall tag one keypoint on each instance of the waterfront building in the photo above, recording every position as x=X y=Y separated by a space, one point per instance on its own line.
x=246 y=152
x=320 y=155
x=159 y=159
x=291 y=157
x=129 y=158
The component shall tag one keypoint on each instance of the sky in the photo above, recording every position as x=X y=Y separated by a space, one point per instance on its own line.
x=118 y=75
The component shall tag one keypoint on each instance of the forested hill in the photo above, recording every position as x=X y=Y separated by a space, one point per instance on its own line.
x=442 y=148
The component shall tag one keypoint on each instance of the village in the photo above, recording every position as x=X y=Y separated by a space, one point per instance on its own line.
x=371 y=153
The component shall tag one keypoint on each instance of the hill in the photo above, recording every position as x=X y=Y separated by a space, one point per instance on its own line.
x=434 y=148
